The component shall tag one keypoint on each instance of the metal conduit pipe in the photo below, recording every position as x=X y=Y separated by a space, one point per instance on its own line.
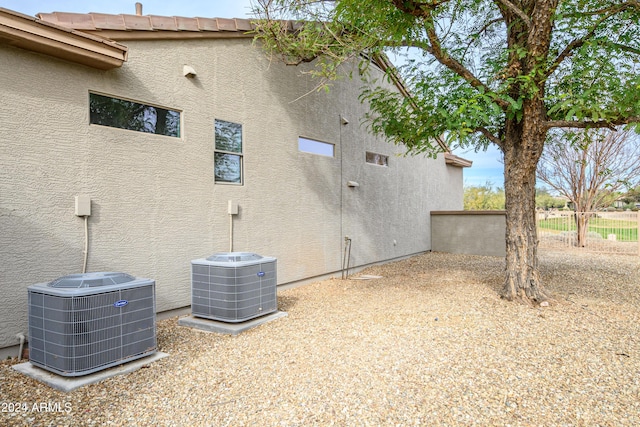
x=86 y=244
x=21 y=337
x=346 y=257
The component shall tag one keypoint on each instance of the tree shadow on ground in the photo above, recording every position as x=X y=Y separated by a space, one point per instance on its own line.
x=286 y=302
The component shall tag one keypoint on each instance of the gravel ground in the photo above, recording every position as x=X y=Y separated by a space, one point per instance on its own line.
x=429 y=343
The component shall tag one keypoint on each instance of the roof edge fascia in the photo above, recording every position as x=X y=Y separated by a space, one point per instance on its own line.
x=453 y=160
x=36 y=35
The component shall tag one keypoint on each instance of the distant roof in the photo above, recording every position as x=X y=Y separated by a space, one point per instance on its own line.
x=136 y=27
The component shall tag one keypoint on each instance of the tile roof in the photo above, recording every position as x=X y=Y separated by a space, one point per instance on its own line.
x=27 y=32
x=159 y=25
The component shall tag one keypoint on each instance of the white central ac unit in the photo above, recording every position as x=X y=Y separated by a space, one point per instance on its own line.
x=83 y=323
x=233 y=286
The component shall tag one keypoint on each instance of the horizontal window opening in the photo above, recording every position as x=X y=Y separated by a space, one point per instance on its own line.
x=312 y=146
x=377 y=159
x=130 y=115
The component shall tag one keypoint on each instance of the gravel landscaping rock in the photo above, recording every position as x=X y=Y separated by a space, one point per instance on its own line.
x=428 y=343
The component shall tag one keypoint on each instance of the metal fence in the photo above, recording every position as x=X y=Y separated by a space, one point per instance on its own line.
x=610 y=232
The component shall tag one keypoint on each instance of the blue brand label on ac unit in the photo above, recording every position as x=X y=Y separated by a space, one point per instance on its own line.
x=260 y=273
x=120 y=303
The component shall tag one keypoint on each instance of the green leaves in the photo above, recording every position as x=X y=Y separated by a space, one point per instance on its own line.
x=597 y=82
x=470 y=75
x=483 y=197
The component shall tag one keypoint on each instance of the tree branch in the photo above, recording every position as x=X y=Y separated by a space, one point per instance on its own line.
x=491 y=137
x=577 y=43
x=424 y=10
x=634 y=4
x=519 y=12
x=625 y=48
x=590 y=167
x=418 y=9
x=484 y=29
x=609 y=124
x=568 y=51
x=453 y=64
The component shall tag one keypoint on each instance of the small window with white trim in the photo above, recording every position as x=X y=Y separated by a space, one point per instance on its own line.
x=313 y=146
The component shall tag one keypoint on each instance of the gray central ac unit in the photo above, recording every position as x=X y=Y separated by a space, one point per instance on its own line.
x=83 y=323
x=233 y=286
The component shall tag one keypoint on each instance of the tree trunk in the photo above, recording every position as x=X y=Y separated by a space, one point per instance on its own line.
x=161 y=121
x=582 y=224
x=522 y=149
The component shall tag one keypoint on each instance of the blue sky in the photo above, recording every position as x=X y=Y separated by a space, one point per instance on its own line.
x=189 y=8
x=486 y=166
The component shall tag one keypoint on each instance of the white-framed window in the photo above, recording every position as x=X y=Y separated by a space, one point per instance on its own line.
x=228 y=156
x=313 y=146
x=124 y=114
x=377 y=159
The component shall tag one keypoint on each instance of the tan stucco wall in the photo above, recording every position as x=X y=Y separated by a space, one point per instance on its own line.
x=469 y=232
x=155 y=206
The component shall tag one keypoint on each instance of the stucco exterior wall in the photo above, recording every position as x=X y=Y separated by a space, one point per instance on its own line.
x=469 y=232
x=155 y=206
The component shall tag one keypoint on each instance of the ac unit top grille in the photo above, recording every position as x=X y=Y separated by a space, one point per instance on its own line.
x=234 y=257
x=91 y=280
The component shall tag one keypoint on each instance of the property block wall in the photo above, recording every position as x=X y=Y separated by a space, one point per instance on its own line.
x=155 y=206
x=469 y=232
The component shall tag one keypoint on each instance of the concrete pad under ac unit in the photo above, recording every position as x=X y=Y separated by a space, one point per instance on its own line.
x=209 y=325
x=67 y=384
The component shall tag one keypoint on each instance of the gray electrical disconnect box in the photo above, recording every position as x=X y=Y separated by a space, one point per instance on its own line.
x=83 y=205
x=233 y=207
